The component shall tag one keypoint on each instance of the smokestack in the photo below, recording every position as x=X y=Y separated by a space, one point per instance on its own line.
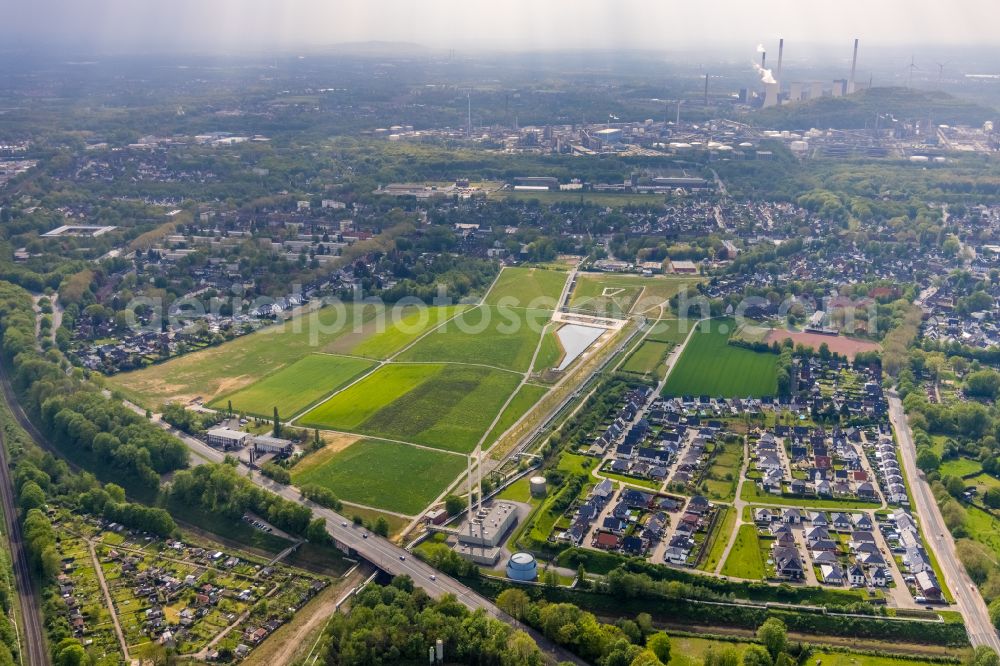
x=763 y=59
x=706 y=90
x=854 y=66
x=781 y=50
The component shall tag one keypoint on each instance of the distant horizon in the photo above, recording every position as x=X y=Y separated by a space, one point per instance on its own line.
x=241 y=27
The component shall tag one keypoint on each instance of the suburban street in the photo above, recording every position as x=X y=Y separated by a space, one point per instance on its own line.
x=938 y=538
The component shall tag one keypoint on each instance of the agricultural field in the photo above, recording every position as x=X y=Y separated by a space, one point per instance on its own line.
x=487 y=335
x=710 y=366
x=745 y=559
x=439 y=405
x=380 y=474
x=534 y=288
x=648 y=358
x=297 y=386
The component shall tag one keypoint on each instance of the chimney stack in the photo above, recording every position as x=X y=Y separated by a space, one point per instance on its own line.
x=763 y=59
x=706 y=90
x=781 y=50
x=854 y=66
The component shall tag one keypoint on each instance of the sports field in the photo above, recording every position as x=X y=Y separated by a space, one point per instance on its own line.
x=439 y=405
x=488 y=335
x=381 y=474
x=536 y=288
x=295 y=387
x=710 y=366
x=609 y=294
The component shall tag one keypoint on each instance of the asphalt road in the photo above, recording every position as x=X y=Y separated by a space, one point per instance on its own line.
x=33 y=636
x=385 y=555
x=939 y=540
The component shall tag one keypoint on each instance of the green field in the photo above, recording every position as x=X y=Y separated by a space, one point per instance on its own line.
x=385 y=475
x=710 y=366
x=669 y=330
x=723 y=473
x=647 y=358
x=960 y=467
x=612 y=294
x=295 y=387
x=984 y=528
x=525 y=398
x=550 y=352
x=536 y=288
x=216 y=371
x=488 y=335
x=689 y=650
x=383 y=341
x=744 y=559
x=719 y=538
x=443 y=406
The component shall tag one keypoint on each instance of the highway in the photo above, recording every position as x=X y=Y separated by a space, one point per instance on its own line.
x=32 y=636
x=939 y=539
x=382 y=553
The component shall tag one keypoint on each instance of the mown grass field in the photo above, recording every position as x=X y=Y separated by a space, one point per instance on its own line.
x=724 y=472
x=710 y=366
x=960 y=467
x=719 y=539
x=385 y=475
x=536 y=288
x=488 y=335
x=983 y=527
x=439 y=405
x=295 y=387
x=647 y=358
x=744 y=559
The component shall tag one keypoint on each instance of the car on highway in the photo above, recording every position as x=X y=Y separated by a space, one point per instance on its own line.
x=402 y=558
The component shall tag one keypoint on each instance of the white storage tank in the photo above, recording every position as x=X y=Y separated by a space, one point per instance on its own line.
x=522 y=566
x=537 y=484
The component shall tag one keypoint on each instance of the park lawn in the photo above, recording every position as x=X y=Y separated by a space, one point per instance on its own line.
x=383 y=475
x=623 y=294
x=550 y=352
x=710 y=366
x=724 y=463
x=380 y=339
x=745 y=559
x=960 y=467
x=526 y=397
x=669 y=330
x=534 y=288
x=295 y=387
x=719 y=538
x=215 y=371
x=487 y=335
x=443 y=406
x=647 y=358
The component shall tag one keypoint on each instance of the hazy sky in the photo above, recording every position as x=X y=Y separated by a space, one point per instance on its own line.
x=138 y=25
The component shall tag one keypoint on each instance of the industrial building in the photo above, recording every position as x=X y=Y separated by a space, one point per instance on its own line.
x=226 y=438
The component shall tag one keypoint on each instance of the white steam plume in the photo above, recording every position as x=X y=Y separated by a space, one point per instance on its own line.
x=760 y=48
x=765 y=74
